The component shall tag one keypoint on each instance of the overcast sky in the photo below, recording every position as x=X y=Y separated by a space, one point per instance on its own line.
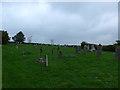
x=64 y=22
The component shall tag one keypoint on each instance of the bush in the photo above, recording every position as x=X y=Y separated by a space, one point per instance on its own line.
x=109 y=48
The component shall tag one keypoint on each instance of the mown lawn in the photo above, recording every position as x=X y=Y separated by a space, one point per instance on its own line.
x=81 y=71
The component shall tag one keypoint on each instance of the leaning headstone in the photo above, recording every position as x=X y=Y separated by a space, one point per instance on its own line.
x=85 y=49
x=117 y=52
x=99 y=50
x=88 y=47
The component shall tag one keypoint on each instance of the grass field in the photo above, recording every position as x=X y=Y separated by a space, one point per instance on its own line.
x=81 y=71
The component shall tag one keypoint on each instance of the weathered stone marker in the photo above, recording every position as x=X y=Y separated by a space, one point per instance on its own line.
x=60 y=54
x=92 y=48
x=41 y=50
x=77 y=49
x=85 y=49
x=88 y=47
x=99 y=50
x=45 y=61
x=117 y=53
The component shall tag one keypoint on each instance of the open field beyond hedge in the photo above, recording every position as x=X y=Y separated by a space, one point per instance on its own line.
x=81 y=71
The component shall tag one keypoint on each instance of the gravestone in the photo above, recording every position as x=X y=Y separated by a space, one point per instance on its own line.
x=117 y=53
x=77 y=49
x=99 y=50
x=41 y=50
x=88 y=47
x=92 y=48
x=17 y=46
x=60 y=54
x=85 y=49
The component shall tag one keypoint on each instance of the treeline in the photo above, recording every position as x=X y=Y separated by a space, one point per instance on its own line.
x=110 y=48
x=4 y=37
x=20 y=38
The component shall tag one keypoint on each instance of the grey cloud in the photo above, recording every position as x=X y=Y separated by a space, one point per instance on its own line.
x=65 y=23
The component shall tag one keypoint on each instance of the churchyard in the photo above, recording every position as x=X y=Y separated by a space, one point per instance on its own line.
x=67 y=67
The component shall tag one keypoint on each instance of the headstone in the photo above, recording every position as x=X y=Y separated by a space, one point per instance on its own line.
x=85 y=49
x=99 y=50
x=60 y=54
x=77 y=49
x=92 y=48
x=88 y=47
x=41 y=50
x=117 y=53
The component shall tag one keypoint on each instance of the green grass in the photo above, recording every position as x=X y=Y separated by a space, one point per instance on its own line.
x=81 y=71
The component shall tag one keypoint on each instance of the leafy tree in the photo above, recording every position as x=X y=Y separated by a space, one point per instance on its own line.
x=84 y=43
x=118 y=42
x=5 y=38
x=19 y=37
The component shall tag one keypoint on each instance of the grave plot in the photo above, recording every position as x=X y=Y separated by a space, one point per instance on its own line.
x=43 y=60
x=61 y=55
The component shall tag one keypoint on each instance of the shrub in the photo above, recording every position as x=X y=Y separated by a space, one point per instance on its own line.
x=109 y=48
